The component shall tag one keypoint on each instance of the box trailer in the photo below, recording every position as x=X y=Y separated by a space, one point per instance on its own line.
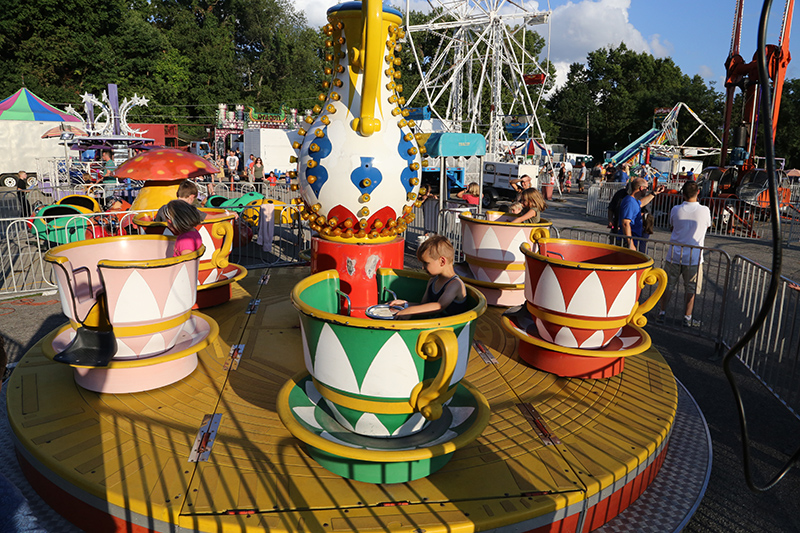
x=273 y=146
x=22 y=145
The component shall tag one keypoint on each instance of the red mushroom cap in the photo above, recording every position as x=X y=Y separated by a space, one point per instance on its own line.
x=165 y=164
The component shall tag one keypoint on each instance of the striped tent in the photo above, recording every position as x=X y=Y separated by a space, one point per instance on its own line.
x=24 y=105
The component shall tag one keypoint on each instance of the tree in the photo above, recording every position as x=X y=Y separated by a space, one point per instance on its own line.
x=618 y=89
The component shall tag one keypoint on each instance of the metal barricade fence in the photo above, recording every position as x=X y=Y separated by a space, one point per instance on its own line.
x=709 y=304
x=25 y=241
x=773 y=355
x=730 y=217
x=599 y=196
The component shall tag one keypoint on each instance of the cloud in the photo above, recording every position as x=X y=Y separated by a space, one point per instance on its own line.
x=316 y=11
x=580 y=28
x=705 y=72
x=658 y=48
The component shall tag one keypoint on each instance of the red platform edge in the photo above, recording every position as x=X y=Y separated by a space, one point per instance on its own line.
x=88 y=517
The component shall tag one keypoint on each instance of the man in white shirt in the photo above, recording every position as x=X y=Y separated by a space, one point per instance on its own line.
x=689 y=222
x=232 y=162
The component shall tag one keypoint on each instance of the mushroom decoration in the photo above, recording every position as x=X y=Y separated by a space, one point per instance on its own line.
x=162 y=170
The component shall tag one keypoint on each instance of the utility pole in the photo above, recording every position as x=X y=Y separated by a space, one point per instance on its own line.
x=587 y=133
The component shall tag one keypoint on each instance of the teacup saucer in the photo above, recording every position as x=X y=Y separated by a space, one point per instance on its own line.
x=583 y=363
x=631 y=340
x=135 y=374
x=497 y=294
x=380 y=460
x=215 y=278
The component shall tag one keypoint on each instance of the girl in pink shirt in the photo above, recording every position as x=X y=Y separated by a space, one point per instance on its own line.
x=181 y=221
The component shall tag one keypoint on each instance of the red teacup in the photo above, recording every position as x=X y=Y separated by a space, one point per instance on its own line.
x=582 y=293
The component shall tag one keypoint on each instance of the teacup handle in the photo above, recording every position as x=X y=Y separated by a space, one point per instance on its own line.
x=540 y=233
x=651 y=277
x=431 y=345
x=219 y=259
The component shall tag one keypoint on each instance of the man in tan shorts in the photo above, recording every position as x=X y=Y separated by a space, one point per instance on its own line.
x=689 y=222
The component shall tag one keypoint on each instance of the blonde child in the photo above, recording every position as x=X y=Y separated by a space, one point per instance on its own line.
x=445 y=293
x=471 y=195
x=515 y=208
x=181 y=221
x=534 y=203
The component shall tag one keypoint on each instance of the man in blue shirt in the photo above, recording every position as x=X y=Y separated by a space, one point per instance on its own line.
x=630 y=209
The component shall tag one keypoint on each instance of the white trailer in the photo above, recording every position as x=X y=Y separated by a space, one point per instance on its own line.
x=496 y=178
x=21 y=145
x=273 y=146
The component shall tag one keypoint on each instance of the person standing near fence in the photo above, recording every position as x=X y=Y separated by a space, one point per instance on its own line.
x=22 y=196
x=630 y=209
x=690 y=221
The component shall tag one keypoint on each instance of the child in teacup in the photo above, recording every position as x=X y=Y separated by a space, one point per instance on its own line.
x=533 y=201
x=445 y=294
x=181 y=221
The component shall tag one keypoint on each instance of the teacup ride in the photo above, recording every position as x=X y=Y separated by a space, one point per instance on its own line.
x=494 y=263
x=129 y=303
x=65 y=221
x=582 y=314
x=382 y=401
x=249 y=207
x=215 y=273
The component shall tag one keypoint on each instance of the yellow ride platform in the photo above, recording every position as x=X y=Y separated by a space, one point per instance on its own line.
x=558 y=454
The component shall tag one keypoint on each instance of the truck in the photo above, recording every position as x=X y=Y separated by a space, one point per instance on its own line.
x=273 y=146
x=22 y=147
x=497 y=177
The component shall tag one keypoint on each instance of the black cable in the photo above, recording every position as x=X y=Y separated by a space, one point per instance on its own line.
x=777 y=258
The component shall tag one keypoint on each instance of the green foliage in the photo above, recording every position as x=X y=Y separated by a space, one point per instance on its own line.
x=618 y=89
x=186 y=56
x=787 y=138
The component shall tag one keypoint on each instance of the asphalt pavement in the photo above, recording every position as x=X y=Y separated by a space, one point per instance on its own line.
x=728 y=506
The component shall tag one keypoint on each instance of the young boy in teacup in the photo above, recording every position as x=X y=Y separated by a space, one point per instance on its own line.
x=445 y=293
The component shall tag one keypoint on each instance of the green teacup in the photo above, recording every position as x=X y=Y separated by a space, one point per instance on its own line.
x=383 y=378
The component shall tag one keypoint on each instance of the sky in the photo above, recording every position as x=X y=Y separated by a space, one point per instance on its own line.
x=696 y=34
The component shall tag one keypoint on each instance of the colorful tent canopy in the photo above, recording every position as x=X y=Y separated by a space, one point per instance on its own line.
x=24 y=105
x=532 y=147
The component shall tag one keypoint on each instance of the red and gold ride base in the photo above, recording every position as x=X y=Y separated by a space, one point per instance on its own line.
x=357 y=264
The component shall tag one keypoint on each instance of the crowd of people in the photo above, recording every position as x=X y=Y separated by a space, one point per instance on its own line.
x=234 y=167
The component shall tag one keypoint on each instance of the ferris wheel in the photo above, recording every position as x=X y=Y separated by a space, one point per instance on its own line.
x=481 y=50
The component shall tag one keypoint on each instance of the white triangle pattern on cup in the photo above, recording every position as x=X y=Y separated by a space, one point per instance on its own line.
x=513 y=248
x=589 y=298
x=468 y=240
x=548 y=293
x=626 y=299
x=464 y=347
x=181 y=294
x=490 y=248
x=331 y=365
x=460 y=415
x=338 y=416
x=136 y=301
x=412 y=425
x=395 y=360
x=208 y=242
